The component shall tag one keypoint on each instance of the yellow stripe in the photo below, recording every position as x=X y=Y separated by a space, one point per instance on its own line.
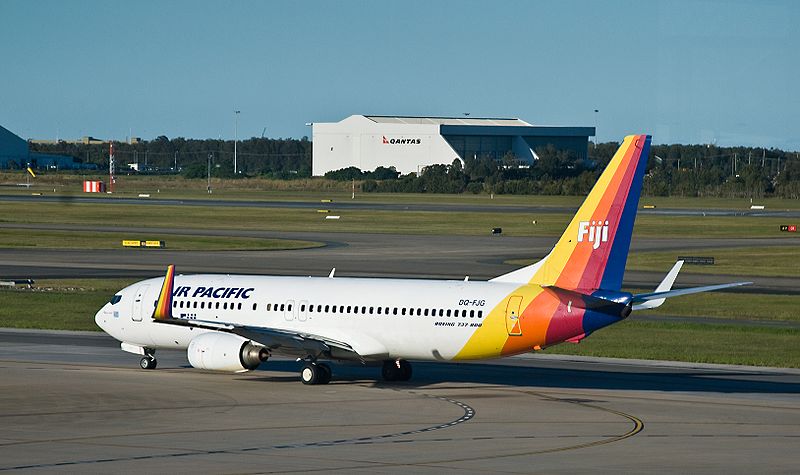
x=552 y=268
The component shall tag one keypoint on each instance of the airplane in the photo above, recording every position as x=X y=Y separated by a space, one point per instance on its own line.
x=236 y=322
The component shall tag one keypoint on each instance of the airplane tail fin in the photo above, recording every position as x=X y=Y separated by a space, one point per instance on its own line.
x=592 y=252
x=163 y=310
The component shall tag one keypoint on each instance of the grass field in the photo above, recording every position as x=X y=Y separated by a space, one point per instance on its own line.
x=731 y=305
x=373 y=221
x=777 y=261
x=58 y=304
x=46 y=239
x=750 y=261
x=315 y=189
x=725 y=344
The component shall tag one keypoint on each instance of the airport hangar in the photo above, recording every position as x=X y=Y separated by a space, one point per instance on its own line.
x=411 y=143
x=15 y=153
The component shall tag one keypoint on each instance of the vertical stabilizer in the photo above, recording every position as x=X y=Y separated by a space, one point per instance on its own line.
x=591 y=253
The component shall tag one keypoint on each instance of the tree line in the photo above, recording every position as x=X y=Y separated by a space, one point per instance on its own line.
x=672 y=170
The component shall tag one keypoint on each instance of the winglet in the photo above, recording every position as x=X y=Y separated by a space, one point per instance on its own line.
x=163 y=310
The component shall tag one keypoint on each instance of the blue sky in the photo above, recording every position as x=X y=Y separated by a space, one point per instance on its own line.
x=684 y=71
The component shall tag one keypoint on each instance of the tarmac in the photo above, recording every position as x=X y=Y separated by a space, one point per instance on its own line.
x=73 y=402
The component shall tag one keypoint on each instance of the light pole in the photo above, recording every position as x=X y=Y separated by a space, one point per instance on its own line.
x=208 y=187
x=595 y=126
x=235 y=139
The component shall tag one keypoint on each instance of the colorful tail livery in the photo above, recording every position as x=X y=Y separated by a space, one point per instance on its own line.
x=591 y=253
x=163 y=310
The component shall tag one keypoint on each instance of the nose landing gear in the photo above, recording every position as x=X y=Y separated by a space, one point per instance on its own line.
x=149 y=360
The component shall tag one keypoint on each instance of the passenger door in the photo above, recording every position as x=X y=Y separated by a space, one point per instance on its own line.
x=136 y=311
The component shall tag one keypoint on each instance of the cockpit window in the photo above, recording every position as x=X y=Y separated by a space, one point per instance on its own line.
x=115 y=299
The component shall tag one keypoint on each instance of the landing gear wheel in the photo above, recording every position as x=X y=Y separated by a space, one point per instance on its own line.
x=148 y=362
x=311 y=374
x=405 y=370
x=325 y=374
x=397 y=370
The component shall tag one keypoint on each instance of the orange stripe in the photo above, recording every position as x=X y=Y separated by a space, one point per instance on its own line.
x=576 y=267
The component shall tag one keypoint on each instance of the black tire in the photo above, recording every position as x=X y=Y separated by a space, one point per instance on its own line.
x=148 y=362
x=390 y=371
x=405 y=370
x=310 y=374
x=325 y=373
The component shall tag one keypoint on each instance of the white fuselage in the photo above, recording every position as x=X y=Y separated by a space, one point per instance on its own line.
x=379 y=318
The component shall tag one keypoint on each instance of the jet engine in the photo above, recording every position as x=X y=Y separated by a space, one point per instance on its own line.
x=225 y=352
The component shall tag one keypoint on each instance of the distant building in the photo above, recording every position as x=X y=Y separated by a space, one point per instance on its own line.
x=411 y=143
x=15 y=154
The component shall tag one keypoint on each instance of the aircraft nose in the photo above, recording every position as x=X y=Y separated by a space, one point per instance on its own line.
x=100 y=319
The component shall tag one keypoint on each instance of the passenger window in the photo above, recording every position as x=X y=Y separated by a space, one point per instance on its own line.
x=480 y=313
x=472 y=314
x=174 y=303
x=441 y=312
x=404 y=311
x=202 y=305
x=239 y=307
x=303 y=308
x=426 y=312
x=195 y=304
x=269 y=307
x=319 y=308
x=217 y=306
x=370 y=310
x=464 y=314
x=254 y=306
x=448 y=312
x=333 y=309
x=349 y=309
x=289 y=307
x=327 y=309
x=225 y=306
x=419 y=312
x=363 y=310
x=341 y=308
x=283 y=307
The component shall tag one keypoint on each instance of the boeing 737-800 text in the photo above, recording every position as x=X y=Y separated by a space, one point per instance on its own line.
x=234 y=323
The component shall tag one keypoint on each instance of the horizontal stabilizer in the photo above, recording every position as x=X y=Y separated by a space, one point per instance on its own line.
x=638 y=299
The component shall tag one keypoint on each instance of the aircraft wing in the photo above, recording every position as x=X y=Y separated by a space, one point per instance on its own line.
x=281 y=341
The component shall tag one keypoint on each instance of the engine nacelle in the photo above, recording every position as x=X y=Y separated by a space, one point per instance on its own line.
x=225 y=352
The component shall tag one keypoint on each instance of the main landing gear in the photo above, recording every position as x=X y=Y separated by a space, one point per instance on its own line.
x=149 y=360
x=396 y=370
x=315 y=373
